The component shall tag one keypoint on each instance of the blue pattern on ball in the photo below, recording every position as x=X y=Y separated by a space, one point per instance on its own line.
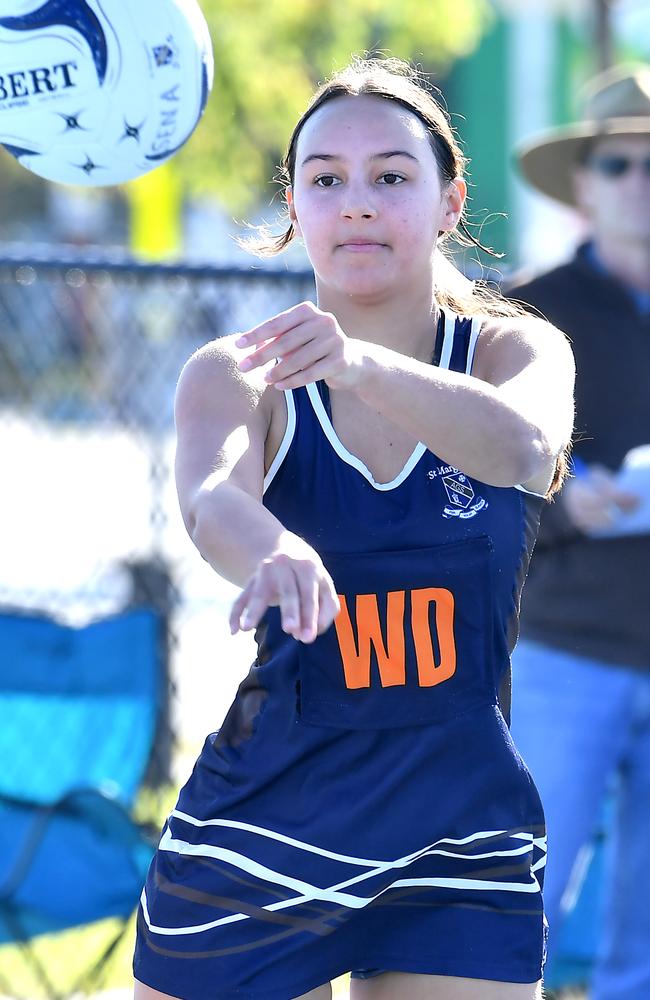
x=19 y=151
x=76 y=14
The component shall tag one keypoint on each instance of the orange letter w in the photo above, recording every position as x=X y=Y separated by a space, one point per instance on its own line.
x=356 y=661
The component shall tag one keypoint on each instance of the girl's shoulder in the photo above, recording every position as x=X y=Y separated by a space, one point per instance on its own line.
x=525 y=329
x=211 y=378
x=527 y=337
x=218 y=361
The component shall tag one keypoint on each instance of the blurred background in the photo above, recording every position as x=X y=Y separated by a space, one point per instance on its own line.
x=104 y=293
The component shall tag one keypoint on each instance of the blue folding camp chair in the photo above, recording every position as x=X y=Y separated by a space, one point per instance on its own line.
x=78 y=715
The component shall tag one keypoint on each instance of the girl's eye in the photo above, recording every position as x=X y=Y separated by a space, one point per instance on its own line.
x=391 y=178
x=326 y=180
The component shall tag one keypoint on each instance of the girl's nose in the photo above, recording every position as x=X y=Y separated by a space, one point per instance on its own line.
x=358 y=204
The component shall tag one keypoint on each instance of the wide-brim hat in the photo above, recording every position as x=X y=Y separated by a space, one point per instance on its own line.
x=616 y=102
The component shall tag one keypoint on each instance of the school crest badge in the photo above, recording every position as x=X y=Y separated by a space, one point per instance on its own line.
x=461 y=497
x=462 y=500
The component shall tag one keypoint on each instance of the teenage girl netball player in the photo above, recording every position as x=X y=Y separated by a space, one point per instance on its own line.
x=370 y=471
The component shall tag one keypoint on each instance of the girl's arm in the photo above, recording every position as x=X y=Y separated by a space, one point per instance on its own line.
x=222 y=419
x=504 y=425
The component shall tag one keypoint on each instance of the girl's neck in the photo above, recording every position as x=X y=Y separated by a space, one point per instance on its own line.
x=406 y=327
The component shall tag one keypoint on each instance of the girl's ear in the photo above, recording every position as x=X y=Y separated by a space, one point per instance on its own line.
x=453 y=200
x=292 y=211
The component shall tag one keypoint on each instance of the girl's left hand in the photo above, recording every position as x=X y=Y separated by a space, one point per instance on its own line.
x=308 y=344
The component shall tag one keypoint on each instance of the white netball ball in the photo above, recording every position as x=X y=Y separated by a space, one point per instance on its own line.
x=98 y=92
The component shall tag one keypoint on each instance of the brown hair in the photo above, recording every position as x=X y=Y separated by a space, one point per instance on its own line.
x=395 y=80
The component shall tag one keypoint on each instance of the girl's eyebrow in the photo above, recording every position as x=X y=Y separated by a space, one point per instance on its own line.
x=377 y=156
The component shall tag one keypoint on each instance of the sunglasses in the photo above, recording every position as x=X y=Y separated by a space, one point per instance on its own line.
x=618 y=166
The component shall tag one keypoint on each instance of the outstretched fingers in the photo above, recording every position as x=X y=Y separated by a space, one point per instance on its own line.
x=306 y=343
x=273 y=583
x=300 y=587
x=265 y=336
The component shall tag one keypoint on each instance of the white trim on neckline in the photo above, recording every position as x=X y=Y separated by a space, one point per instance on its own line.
x=348 y=457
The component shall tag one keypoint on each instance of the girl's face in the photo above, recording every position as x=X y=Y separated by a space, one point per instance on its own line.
x=367 y=197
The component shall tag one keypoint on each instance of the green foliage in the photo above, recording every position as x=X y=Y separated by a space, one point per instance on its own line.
x=269 y=56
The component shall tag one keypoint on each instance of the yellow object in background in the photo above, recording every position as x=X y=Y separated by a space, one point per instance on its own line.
x=155 y=206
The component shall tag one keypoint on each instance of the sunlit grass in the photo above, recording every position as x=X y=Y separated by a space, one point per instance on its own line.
x=65 y=957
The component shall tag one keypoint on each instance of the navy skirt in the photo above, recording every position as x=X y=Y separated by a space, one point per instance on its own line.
x=298 y=852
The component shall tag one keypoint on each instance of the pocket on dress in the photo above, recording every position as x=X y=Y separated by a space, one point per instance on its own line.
x=412 y=644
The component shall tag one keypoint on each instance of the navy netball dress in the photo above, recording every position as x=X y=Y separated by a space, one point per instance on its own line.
x=362 y=806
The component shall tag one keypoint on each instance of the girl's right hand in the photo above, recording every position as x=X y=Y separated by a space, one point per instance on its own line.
x=294 y=579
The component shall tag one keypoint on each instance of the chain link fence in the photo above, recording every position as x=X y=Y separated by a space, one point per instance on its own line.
x=90 y=352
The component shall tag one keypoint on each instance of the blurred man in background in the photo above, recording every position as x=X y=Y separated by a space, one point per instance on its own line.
x=581 y=708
